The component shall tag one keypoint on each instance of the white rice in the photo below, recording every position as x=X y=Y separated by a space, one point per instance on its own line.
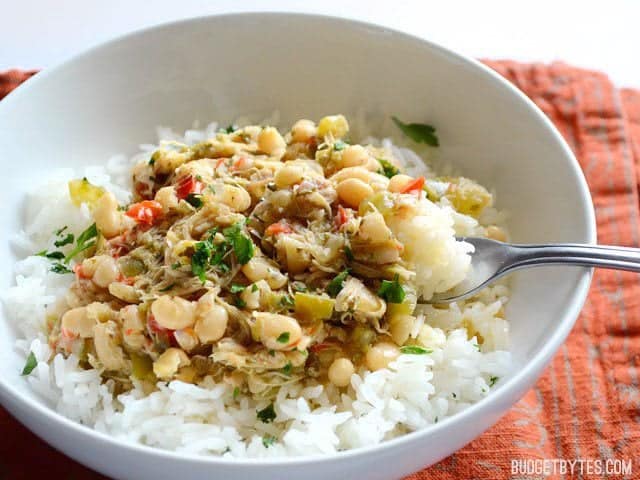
x=414 y=392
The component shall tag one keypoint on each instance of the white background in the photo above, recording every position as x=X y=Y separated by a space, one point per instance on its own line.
x=603 y=35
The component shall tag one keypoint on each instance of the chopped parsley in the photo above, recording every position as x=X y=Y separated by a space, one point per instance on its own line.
x=176 y=266
x=236 y=288
x=195 y=200
x=348 y=253
x=60 y=231
x=68 y=239
x=59 y=268
x=493 y=380
x=51 y=255
x=415 y=350
x=267 y=414
x=418 y=132
x=200 y=259
x=286 y=301
x=287 y=369
x=240 y=303
x=254 y=288
x=388 y=169
x=268 y=440
x=337 y=283
x=392 y=292
x=242 y=245
x=283 y=337
x=85 y=240
x=31 y=363
x=236 y=392
x=230 y=129
x=206 y=252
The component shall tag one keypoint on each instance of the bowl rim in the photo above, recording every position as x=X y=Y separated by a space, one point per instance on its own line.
x=504 y=390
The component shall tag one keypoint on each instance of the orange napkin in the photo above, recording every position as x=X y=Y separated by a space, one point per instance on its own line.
x=586 y=406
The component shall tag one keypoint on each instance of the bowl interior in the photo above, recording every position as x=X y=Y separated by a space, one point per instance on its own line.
x=111 y=99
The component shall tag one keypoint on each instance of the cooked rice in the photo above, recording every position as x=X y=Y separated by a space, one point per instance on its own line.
x=414 y=392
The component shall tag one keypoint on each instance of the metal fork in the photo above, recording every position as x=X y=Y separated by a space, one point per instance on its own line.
x=492 y=260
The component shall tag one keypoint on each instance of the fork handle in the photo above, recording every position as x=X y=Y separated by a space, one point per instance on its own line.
x=618 y=258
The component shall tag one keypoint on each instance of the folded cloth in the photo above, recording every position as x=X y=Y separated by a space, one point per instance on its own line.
x=586 y=406
x=12 y=78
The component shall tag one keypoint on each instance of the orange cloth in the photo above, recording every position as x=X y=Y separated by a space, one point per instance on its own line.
x=587 y=403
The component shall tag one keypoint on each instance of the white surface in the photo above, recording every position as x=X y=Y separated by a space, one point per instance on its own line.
x=487 y=128
x=594 y=34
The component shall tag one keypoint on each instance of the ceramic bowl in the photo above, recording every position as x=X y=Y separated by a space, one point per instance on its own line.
x=110 y=98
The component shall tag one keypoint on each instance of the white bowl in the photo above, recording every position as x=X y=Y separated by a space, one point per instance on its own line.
x=110 y=98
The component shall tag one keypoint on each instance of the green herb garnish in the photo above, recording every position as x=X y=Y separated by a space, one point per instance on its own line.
x=348 y=253
x=418 y=132
x=254 y=288
x=60 y=230
x=286 y=301
x=287 y=369
x=51 y=255
x=68 y=239
x=59 y=268
x=236 y=392
x=236 y=288
x=388 y=169
x=268 y=440
x=267 y=414
x=337 y=283
x=415 y=350
x=200 y=259
x=176 y=266
x=242 y=245
x=493 y=380
x=85 y=240
x=31 y=363
x=195 y=200
x=283 y=337
x=240 y=303
x=229 y=129
x=392 y=292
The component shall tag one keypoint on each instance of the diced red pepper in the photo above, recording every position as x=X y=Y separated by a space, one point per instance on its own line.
x=187 y=185
x=220 y=162
x=342 y=216
x=416 y=184
x=77 y=269
x=239 y=163
x=164 y=334
x=154 y=326
x=276 y=228
x=146 y=212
